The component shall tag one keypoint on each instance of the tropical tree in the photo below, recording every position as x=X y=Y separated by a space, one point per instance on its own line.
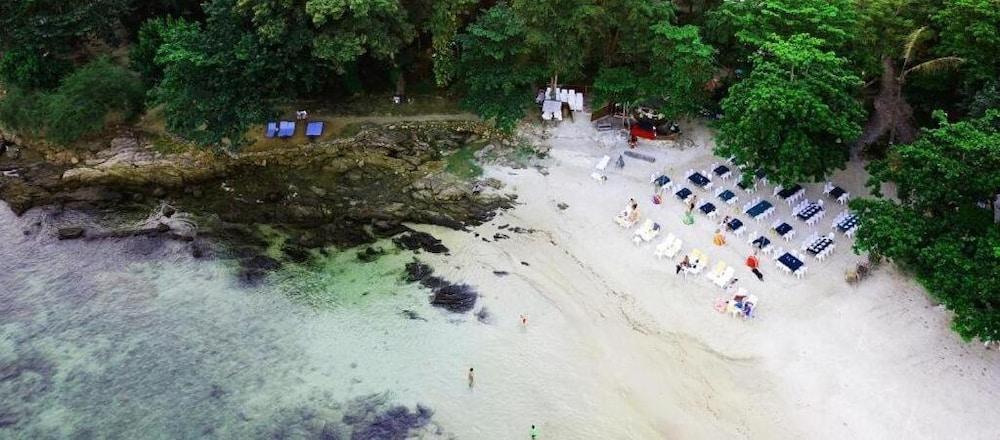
x=625 y=32
x=940 y=225
x=559 y=33
x=795 y=113
x=209 y=71
x=619 y=85
x=892 y=116
x=680 y=67
x=754 y=23
x=89 y=97
x=493 y=73
x=970 y=29
x=338 y=32
x=445 y=23
x=39 y=37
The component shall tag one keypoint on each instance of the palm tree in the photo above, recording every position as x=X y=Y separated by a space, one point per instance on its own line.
x=893 y=116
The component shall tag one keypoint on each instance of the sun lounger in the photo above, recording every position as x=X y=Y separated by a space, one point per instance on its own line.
x=698 y=262
x=716 y=272
x=663 y=249
x=625 y=220
x=724 y=277
x=675 y=248
x=602 y=164
x=647 y=232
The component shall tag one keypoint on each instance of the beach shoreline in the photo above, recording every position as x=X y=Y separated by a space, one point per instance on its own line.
x=821 y=358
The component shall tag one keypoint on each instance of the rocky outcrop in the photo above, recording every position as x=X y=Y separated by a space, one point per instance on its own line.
x=70 y=233
x=344 y=192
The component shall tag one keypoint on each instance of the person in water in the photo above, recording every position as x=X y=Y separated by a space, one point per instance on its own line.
x=472 y=378
x=534 y=432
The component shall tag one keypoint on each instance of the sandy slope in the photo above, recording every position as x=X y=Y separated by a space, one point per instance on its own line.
x=617 y=346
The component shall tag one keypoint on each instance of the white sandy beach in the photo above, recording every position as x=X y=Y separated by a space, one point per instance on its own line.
x=617 y=346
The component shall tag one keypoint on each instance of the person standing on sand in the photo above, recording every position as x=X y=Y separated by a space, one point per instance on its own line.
x=753 y=263
x=472 y=378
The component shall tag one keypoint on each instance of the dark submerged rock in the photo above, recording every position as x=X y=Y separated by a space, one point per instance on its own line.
x=417 y=271
x=256 y=268
x=457 y=298
x=484 y=316
x=295 y=253
x=370 y=254
x=415 y=240
x=410 y=314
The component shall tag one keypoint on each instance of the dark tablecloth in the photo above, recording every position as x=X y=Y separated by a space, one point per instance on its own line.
x=809 y=212
x=790 y=261
x=759 y=208
x=761 y=242
x=790 y=191
x=698 y=179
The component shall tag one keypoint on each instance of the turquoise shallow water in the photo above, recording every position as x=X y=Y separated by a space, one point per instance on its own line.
x=134 y=338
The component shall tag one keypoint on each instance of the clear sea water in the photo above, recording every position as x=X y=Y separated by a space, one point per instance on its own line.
x=134 y=338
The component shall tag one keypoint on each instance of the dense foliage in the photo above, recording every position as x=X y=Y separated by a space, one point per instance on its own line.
x=97 y=93
x=794 y=115
x=496 y=87
x=85 y=99
x=941 y=226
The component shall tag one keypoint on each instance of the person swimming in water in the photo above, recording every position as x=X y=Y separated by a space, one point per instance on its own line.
x=472 y=378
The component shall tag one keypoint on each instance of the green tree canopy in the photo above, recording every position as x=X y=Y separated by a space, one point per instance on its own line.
x=497 y=84
x=559 y=34
x=38 y=37
x=794 y=116
x=970 y=29
x=674 y=72
x=754 y=23
x=446 y=21
x=87 y=98
x=339 y=31
x=680 y=67
x=940 y=225
x=217 y=78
